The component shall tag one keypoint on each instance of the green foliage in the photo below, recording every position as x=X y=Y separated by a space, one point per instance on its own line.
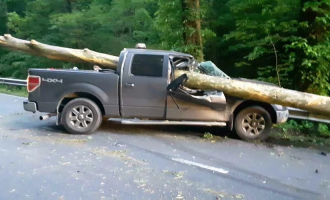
x=261 y=30
x=170 y=26
x=12 y=90
x=314 y=66
x=208 y=136
x=310 y=50
x=299 y=127
x=103 y=26
x=323 y=130
x=169 y=21
x=16 y=64
x=279 y=41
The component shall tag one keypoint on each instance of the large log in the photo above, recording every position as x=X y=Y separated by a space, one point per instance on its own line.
x=259 y=92
x=264 y=93
x=59 y=53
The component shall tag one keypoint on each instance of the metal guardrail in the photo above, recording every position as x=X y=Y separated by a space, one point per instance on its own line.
x=305 y=115
x=15 y=82
x=293 y=112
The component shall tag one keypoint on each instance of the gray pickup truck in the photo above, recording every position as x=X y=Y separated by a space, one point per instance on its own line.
x=142 y=91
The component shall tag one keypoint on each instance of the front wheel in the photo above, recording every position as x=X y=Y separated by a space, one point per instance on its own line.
x=253 y=123
x=81 y=116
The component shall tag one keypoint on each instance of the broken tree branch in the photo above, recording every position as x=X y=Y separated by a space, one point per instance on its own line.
x=276 y=59
x=59 y=53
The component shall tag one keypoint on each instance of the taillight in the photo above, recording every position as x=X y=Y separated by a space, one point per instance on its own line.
x=33 y=82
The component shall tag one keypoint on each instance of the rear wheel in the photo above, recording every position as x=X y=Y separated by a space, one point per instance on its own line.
x=253 y=123
x=81 y=116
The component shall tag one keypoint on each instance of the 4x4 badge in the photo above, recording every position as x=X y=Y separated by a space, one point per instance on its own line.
x=52 y=80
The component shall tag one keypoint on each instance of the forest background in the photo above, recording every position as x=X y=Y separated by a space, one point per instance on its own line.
x=285 y=42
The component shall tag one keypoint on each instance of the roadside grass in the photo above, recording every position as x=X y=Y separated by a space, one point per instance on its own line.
x=300 y=133
x=13 y=90
x=295 y=133
x=299 y=141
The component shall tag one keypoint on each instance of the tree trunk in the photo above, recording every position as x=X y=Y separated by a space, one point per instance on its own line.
x=199 y=30
x=263 y=93
x=59 y=53
x=192 y=22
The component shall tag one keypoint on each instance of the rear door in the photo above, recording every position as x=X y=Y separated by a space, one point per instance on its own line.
x=144 y=81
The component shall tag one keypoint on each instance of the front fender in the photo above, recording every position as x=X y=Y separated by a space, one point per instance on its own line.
x=233 y=103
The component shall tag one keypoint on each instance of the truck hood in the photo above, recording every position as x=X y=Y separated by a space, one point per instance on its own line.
x=255 y=81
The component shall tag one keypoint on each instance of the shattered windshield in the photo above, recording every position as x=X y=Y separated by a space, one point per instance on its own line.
x=209 y=68
x=190 y=64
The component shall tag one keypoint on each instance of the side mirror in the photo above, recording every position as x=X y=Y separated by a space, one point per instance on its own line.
x=175 y=84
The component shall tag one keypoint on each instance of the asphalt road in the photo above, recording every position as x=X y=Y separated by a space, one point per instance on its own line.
x=41 y=161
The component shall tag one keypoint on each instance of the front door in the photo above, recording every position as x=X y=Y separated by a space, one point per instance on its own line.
x=143 y=84
x=196 y=107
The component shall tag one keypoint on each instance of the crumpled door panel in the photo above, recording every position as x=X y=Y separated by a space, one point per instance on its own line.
x=213 y=99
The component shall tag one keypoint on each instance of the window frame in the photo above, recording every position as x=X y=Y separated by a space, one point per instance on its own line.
x=164 y=69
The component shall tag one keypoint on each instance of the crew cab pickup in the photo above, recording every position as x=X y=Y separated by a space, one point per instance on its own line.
x=142 y=90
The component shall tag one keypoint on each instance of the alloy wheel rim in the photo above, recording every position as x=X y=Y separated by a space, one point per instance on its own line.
x=81 y=117
x=253 y=124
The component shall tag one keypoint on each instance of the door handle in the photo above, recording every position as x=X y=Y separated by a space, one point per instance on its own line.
x=129 y=84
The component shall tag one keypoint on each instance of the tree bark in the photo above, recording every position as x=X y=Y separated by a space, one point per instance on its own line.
x=192 y=27
x=274 y=95
x=199 y=30
x=270 y=94
x=59 y=53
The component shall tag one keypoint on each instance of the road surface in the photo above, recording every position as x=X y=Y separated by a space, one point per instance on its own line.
x=41 y=161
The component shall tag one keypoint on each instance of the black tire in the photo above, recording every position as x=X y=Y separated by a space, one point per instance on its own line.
x=247 y=130
x=84 y=128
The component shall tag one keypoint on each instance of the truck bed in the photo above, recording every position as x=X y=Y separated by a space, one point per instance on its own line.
x=58 y=84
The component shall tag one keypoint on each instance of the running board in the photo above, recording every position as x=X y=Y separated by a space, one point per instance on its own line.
x=166 y=122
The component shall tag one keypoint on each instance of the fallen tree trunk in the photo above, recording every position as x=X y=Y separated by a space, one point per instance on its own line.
x=264 y=93
x=253 y=91
x=59 y=53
